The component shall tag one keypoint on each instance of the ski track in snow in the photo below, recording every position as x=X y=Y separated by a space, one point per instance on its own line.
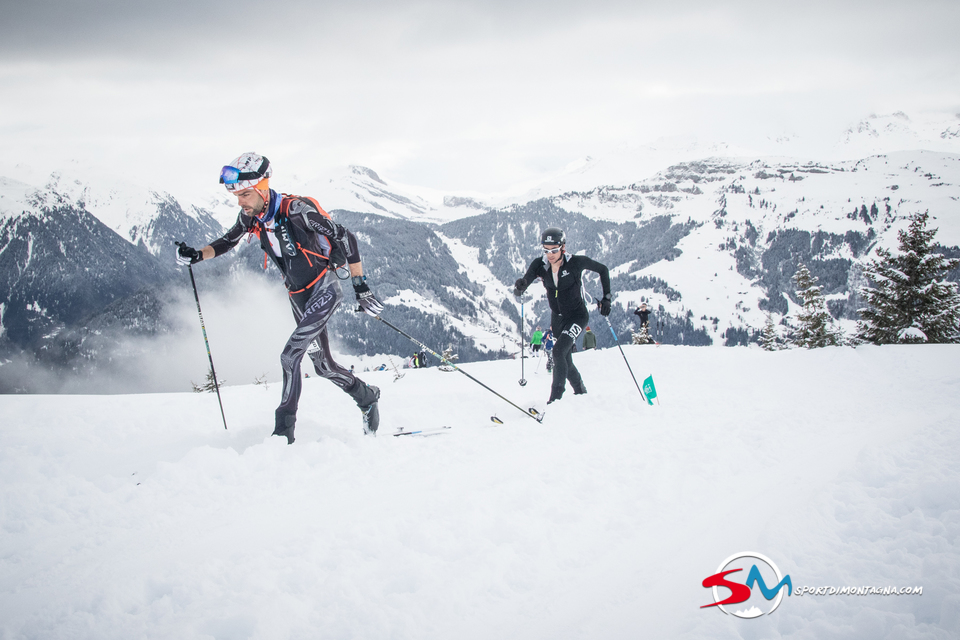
x=140 y=516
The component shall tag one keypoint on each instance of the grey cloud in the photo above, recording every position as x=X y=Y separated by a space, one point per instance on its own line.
x=475 y=88
x=56 y=29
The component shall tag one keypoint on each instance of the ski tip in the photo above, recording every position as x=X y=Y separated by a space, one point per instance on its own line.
x=496 y=420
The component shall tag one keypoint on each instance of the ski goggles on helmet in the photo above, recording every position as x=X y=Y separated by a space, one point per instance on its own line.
x=554 y=250
x=232 y=175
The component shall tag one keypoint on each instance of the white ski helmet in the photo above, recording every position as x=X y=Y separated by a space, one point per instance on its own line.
x=245 y=172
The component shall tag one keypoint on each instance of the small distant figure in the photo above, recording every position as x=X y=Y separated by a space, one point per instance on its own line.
x=536 y=340
x=643 y=313
x=589 y=339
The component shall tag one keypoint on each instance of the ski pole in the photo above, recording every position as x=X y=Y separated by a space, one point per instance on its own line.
x=396 y=372
x=456 y=368
x=205 y=341
x=615 y=339
x=523 y=381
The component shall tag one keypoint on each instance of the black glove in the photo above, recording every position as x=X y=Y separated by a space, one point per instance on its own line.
x=187 y=255
x=367 y=301
x=519 y=287
x=604 y=305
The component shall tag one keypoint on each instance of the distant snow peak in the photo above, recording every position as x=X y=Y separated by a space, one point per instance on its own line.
x=899 y=131
x=364 y=171
x=580 y=165
x=458 y=201
x=785 y=138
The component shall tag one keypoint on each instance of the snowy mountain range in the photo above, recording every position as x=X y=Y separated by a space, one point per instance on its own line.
x=709 y=237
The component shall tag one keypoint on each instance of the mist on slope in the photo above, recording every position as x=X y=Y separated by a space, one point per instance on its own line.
x=247 y=322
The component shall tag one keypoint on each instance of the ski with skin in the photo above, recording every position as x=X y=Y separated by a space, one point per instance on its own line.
x=441 y=430
x=438 y=431
x=533 y=412
x=424 y=432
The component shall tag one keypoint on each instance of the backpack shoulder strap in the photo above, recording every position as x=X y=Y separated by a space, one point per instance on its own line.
x=288 y=199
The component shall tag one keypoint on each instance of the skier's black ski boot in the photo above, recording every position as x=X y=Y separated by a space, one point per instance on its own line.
x=555 y=395
x=284 y=426
x=367 y=396
x=371 y=419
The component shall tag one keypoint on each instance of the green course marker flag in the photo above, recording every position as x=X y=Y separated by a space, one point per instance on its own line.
x=649 y=390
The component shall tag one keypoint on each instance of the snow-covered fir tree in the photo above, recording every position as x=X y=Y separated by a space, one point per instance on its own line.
x=814 y=324
x=449 y=357
x=642 y=335
x=770 y=337
x=209 y=385
x=910 y=302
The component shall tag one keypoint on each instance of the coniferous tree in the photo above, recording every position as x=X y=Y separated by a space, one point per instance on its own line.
x=815 y=327
x=910 y=302
x=642 y=335
x=449 y=357
x=769 y=339
x=209 y=385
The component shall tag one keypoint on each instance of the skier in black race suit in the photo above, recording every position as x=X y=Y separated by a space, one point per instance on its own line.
x=307 y=246
x=561 y=274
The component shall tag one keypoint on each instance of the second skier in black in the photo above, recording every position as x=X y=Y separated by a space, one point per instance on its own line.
x=561 y=274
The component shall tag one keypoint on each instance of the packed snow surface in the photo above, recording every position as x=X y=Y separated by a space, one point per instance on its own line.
x=141 y=517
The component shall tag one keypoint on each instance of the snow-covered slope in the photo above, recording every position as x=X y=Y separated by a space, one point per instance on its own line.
x=360 y=189
x=744 y=208
x=121 y=518
x=138 y=213
x=884 y=133
x=630 y=163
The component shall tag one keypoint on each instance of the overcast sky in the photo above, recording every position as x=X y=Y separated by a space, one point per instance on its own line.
x=456 y=95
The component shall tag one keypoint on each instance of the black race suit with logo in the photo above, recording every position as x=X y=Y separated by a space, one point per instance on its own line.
x=569 y=313
x=302 y=241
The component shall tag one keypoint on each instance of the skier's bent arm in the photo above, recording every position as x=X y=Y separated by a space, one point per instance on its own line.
x=602 y=270
x=225 y=242
x=522 y=283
